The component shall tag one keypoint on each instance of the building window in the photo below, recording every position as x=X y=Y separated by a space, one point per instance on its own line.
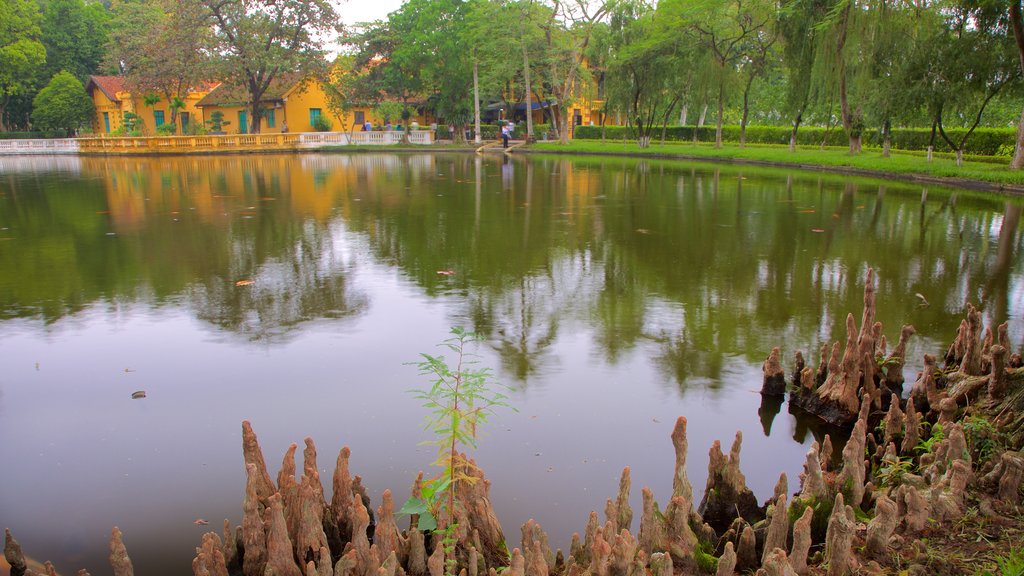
x=271 y=120
x=314 y=115
x=185 y=118
x=158 y=117
x=106 y=122
x=360 y=118
x=243 y=122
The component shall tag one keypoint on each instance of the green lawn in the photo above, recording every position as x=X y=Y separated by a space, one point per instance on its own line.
x=870 y=160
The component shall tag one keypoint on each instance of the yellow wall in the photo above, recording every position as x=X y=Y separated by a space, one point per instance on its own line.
x=114 y=110
x=303 y=97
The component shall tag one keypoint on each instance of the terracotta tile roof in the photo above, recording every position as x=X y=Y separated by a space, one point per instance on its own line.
x=109 y=85
x=231 y=94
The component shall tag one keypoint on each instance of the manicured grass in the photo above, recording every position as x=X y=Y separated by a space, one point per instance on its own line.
x=870 y=160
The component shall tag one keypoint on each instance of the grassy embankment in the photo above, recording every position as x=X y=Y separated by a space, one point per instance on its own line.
x=993 y=172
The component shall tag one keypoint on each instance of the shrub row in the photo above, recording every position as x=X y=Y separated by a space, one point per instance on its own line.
x=983 y=141
x=493 y=131
x=32 y=135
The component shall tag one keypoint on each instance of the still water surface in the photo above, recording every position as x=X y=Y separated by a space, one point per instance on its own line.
x=613 y=296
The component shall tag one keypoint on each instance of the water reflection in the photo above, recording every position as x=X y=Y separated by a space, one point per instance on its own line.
x=613 y=295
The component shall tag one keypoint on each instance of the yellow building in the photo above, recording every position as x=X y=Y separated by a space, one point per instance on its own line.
x=291 y=103
x=112 y=100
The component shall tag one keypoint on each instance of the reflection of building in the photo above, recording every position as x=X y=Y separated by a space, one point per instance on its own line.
x=112 y=100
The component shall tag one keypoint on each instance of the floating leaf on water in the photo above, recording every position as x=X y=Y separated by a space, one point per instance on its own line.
x=446 y=272
x=138 y=394
x=817 y=230
x=245 y=282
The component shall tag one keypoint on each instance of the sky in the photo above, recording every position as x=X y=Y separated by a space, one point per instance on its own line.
x=355 y=11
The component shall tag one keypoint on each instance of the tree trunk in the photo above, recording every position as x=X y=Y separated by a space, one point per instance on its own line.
x=529 y=102
x=682 y=116
x=931 y=142
x=886 y=138
x=563 y=111
x=476 y=103
x=796 y=126
x=721 y=111
x=255 y=123
x=1018 y=34
x=703 y=116
x=746 y=110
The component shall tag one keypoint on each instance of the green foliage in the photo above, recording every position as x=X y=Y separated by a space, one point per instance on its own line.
x=983 y=439
x=926 y=445
x=704 y=555
x=459 y=400
x=217 y=121
x=822 y=509
x=21 y=52
x=322 y=124
x=1012 y=564
x=75 y=34
x=891 y=474
x=984 y=141
x=131 y=125
x=389 y=111
x=166 y=130
x=62 y=105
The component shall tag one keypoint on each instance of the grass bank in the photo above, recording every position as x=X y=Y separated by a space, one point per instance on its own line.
x=973 y=174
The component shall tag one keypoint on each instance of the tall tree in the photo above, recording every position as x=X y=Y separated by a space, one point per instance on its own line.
x=75 y=35
x=21 y=52
x=259 y=40
x=162 y=47
x=432 y=32
x=799 y=28
x=726 y=29
x=637 y=80
x=568 y=32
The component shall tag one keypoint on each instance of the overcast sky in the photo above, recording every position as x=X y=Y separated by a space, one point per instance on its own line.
x=355 y=11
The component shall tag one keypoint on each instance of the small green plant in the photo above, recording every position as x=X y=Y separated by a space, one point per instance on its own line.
x=217 y=122
x=891 y=473
x=1010 y=565
x=322 y=124
x=983 y=439
x=460 y=398
x=165 y=130
x=926 y=446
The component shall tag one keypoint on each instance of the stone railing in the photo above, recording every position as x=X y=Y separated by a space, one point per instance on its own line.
x=49 y=146
x=209 y=143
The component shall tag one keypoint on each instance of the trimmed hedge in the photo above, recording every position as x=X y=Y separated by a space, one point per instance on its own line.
x=983 y=141
x=493 y=131
x=32 y=135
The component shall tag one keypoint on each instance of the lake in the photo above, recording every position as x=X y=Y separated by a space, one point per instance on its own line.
x=294 y=291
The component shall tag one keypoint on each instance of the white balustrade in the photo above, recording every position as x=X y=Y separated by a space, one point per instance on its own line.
x=212 y=142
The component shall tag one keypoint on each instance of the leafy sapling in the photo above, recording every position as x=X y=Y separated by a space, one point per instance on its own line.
x=460 y=398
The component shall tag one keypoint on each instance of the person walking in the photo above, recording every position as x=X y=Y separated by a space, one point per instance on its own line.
x=504 y=135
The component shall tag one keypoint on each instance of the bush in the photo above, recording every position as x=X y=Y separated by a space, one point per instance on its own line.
x=983 y=141
x=322 y=124
x=31 y=135
x=62 y=105
x=165 y=130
